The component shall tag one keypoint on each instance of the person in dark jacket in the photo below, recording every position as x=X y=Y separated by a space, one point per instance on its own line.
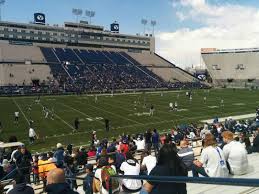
x=255 y=146
x=59 y=155
x=20 y=186
x=57 y=184
x=155 y=141
x=23 y=162
x=88 y=182
x=148 y=139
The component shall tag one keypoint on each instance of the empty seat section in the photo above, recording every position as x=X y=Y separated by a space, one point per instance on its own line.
x=133 y=61
x=92 y=57
x=116 y=58
x=49 y=55
x=66 y=55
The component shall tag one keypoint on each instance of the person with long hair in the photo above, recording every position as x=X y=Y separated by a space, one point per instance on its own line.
x=212 y=163
x=168 y=164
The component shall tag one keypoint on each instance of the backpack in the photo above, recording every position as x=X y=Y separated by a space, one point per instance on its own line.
x=108 y=171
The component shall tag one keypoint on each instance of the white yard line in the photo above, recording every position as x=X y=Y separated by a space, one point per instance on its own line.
x=70 y=126
x=79 y=112
x=18 y=106
x=114 y=114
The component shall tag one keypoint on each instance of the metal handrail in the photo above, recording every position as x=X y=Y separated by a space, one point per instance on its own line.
x=202 y=180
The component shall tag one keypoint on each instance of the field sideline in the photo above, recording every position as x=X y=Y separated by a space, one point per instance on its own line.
x=120 y=110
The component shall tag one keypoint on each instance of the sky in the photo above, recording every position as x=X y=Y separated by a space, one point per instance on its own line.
x=183 y=26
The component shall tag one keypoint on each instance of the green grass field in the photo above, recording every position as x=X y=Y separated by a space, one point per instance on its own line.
x=119 y=109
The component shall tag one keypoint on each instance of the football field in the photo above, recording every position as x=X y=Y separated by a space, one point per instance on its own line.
x=128 y=113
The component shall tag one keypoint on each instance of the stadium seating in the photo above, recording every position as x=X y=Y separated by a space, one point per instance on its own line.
x=87 y=70
x=103 y=69
x=49 y=55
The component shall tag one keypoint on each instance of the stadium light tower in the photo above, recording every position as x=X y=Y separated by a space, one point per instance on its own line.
x=144 y=23
x=90 y=14
x=153 y=24
x=1 y=4
x=77 y=13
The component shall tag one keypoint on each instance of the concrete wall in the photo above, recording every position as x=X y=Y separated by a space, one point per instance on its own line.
x=20 y=53
x=23 y=74
x=227 y=66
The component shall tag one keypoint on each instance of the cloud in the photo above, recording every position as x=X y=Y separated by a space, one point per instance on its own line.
x=223 y=26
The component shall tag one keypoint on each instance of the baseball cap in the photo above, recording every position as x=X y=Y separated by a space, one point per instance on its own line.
x=89 y=167
x=59 y=145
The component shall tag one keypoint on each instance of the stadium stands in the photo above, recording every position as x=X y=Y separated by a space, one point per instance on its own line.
x=79 y=158
x=232 y=67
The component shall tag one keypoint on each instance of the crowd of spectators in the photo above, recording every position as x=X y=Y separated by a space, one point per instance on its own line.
x=98 y=78
x=224 y=153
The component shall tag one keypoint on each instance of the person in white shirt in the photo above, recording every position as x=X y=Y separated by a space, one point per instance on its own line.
x=235 y=154
x=32 y=135
x=212 y=162
x=148 y=162
x=130 y=167
x=191 y=135
x=140 y=143
x=204 y=131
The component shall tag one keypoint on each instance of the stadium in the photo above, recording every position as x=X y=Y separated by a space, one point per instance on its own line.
x=84 y=109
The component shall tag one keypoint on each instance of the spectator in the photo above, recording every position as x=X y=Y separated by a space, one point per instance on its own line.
x=130 y=167
x=57 y=184
x=255 y=146
x=7 y=170
x=59 y=155
x=204 y=131
x=119 y=159
x=133 y=147
x=70 y=148
x=148 y=162
x=112 y=147
x=44 y=167
x=169 y=164
x=163 y=139
x=212 y=163
x=112 y=160
x=124 y=146
x=148 y=139
x=88 y=182
x=155 y=141
x=186 y=154
x=70 y=171
x=98 y=183
x=35 y=170
x=20 y=186
x=83 y=156
x=91 y=152
x=51 y=158
x=247 y=143
x=15 y=154
x=235 y=154
x=140 y=143
x=23 y=162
